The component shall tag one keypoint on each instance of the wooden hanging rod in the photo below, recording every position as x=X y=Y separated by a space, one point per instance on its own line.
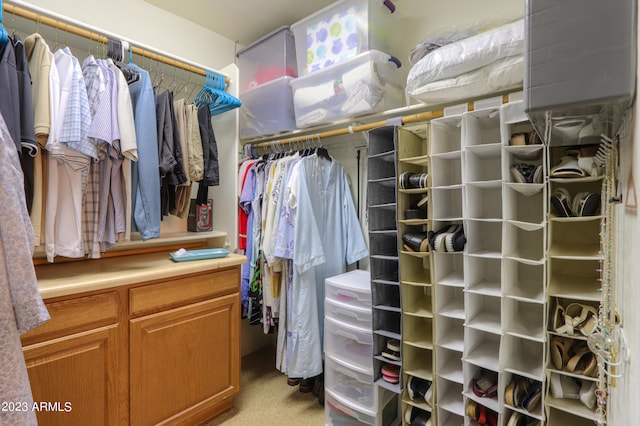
x=413 y=118
x=85 y=33
x=406 y=119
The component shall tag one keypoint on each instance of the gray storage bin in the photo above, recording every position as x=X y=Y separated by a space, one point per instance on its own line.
x=381 y=192
x=383 y=244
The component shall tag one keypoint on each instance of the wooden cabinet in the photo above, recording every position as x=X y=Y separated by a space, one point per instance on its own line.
x=184 y=361
x=77 y=377
x=155 y=352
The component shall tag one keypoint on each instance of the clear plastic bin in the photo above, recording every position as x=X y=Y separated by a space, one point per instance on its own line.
x=368 y=83
x=352 y=288
x=267 y=109
x=352 y=383
x=269 y=58
x=337 y=412
x=349 y=343
x=343 y=312
x=342 y=30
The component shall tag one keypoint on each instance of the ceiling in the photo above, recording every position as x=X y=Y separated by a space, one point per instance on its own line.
x=243 y=21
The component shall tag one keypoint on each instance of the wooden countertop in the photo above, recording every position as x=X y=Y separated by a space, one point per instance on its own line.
x=63 y=279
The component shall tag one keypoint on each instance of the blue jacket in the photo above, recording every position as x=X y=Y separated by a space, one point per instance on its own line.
x=145 y=176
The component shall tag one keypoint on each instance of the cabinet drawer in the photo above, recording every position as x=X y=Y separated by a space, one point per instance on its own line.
x=76 y=315
x=181 y=291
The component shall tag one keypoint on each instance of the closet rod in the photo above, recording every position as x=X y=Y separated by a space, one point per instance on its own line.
x=413 y=118
x=92 y=34
x=406 y=119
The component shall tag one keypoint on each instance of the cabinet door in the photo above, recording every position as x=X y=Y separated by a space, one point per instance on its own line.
x=185 y=362
x=74 y=378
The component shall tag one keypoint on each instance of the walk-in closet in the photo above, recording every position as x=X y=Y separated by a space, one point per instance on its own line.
x=338 y=212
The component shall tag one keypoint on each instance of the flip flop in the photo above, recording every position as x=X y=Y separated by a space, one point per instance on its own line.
x=559 y=348
x=582 y=362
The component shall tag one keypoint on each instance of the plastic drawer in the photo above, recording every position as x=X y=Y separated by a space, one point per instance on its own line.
x=338 y=412
x=352 y=288
x=343 y=312
x=351 y=382
x=349 y=343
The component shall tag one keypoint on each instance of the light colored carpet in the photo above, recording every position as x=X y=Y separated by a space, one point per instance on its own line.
x=266 y=399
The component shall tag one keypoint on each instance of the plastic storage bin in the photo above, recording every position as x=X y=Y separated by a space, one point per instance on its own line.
x=267 y=109
x=269 y=58
x=343 y=312
x=350 y=382
x=348 y=343
x=351 y=288
x=368 y=83
x=341 y=31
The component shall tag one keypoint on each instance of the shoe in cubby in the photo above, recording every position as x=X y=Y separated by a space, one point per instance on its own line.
x=523 y=395
x=482 y=385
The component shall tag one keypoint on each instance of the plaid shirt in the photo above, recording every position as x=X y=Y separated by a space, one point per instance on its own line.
x=77 y=115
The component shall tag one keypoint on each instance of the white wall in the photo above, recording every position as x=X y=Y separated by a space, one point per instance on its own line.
x=626 y=394
x=139 y=21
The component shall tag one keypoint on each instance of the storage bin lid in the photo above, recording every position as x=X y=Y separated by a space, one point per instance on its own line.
x=355 y=280
x=262 y=39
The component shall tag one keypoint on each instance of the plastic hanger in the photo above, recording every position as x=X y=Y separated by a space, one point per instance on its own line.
x=115 y=51
x=214 y=96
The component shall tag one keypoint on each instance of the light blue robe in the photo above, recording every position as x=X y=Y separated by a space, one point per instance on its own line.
x=327 y=237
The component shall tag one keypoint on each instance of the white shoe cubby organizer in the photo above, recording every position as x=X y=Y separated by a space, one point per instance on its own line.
x=483 y=223
x=524 y=272
x=448 y=268
x=574 y=263
x=416 y=270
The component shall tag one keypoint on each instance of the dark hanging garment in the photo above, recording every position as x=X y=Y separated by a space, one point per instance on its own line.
x=10 y=98
x=166 y=156
x=29 y=146
x=210 y=155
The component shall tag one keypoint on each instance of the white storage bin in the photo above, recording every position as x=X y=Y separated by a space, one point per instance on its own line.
x=352 y=288
x=343 y=312
x=365 y=84
x=338 y=412
x=351 y=382
x=269 y=58
x=341 y=31
x=349 y=343
x=267 y=109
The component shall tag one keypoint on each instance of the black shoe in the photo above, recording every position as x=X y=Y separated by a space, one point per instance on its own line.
x=419 y=388
x=413 y=180
x=306 y=385
x=417 y=242
x=416 y=416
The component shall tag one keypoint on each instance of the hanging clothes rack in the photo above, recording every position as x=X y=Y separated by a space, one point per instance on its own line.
x=102 y=37
x=406 y=119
